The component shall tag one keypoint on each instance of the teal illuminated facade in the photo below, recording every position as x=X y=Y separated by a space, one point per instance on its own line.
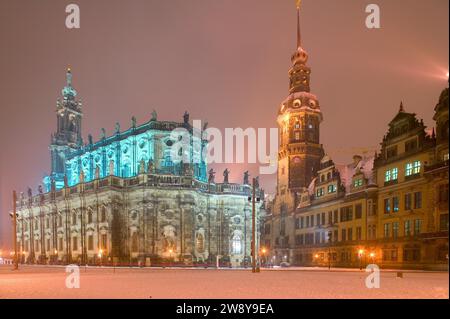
x=121 y=154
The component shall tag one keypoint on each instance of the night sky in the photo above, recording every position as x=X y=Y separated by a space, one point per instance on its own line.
x=225 y=61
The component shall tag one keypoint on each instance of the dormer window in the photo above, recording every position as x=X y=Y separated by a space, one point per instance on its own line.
x=358 y=182
x=320 y=192
x=332 y=188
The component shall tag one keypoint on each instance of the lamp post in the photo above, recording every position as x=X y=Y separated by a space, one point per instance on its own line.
x=329 y=250
x=100 y=255
x=253 y=199
x=170 y=257
x=360 y=254
x=263 y=253
x=16 y=259
x=372 y=257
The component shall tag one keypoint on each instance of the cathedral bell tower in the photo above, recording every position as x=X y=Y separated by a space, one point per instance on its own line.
x=67 y=137
x=299 y=119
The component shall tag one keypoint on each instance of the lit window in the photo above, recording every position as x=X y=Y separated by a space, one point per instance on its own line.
x=358 y=182
x=236 y=244
x=391 y=175
x=387 y=205
x=319 y=192
x=332 y=188
x=394 y=173
x=412 y=168
x=395 y=204
x=387 y=176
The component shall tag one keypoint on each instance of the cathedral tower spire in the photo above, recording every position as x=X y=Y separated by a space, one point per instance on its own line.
x=299 y=35
x=299 y=119
x=67 y=137
x=299 y=74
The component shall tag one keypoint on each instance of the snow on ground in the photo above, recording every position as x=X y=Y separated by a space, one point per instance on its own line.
x=298 y=283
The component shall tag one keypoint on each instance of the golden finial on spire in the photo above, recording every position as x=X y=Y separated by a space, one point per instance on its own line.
x=299 y=3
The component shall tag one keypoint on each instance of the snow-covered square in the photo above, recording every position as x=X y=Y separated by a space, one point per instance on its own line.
x=157 y=283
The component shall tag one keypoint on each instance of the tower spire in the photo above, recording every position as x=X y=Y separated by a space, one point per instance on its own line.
x=299 y=36
x=68 y=91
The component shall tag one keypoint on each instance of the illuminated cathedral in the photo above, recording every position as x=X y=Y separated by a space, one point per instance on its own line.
x=123 y=199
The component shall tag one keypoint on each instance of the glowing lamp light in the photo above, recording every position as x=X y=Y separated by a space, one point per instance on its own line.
x=316 y=256
x=361 y=251
x=263 y=250
x=100 y=253
x=372 y=255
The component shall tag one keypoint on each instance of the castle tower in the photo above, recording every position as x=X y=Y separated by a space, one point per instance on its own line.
x=299 y=119
x=67 y=137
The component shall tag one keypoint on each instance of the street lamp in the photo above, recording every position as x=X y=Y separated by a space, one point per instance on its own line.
x=263 y=253
x=372 y=256
x=360 y=254
x=170 y=257
x=100 y=255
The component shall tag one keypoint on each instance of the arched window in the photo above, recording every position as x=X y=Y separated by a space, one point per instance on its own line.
x=103 y=214
x=167 y=157
x=126 y=170
x=89 y=219
x=236 y=247
x=74 y=218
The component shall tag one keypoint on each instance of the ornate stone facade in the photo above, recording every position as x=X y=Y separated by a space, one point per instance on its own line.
x=122 y=199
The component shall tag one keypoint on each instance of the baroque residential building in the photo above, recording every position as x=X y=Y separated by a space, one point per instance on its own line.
x=390 y=209
x=123 y=199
